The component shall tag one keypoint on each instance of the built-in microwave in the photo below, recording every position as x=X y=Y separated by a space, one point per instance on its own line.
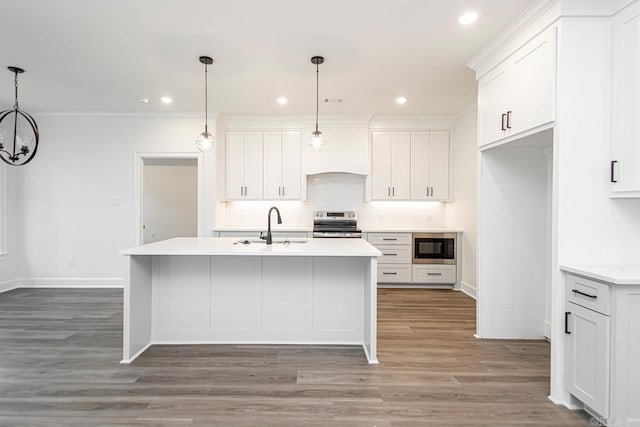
x=434 y=248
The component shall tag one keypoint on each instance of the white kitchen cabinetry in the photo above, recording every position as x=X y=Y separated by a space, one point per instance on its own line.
x=282 y=179
x=391 y=165
x=602 y=348
x=625 y=149
x=394 y=266
x=519 y=94
x=434 y=274
x=243 y=165
x=430 y=165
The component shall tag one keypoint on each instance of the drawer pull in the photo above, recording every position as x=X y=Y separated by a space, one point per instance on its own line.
x=566 y=322
x=434 y=274
x=390 y=254
x=575 y=291
x=394 y=273
x=390 y=239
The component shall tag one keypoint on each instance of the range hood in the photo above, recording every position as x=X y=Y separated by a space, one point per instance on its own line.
x=337 y=166
x=346 y=151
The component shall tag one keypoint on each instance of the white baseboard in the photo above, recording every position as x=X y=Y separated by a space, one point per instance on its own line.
x=9 y=285
x=72 y=282
x=468 y=289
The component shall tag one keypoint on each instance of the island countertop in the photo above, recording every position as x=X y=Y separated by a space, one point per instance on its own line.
x=220 y=246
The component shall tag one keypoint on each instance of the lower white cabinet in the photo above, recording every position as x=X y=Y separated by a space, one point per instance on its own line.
x=587 y=357
x=434 y=274
x=395 y=265
x=602 y=348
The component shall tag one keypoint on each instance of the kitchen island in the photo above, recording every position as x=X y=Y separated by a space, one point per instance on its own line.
x=236 y=291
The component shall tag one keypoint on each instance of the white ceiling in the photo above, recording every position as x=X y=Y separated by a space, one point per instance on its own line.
x=102 y=55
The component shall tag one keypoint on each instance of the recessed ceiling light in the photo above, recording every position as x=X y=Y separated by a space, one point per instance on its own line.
x=144 y=100
x=401 y=100
x=282 y=100
x=468 y=18
x=166 y=100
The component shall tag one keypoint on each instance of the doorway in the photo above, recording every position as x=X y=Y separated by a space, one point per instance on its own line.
x=167 y=196
x=169 y=199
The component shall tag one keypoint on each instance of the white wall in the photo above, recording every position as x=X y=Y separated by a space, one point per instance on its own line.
x=462 y=212
x=77 y=194
x=170 y=199
x=11 y=262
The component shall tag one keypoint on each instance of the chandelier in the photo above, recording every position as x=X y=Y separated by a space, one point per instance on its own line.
x=19 y=135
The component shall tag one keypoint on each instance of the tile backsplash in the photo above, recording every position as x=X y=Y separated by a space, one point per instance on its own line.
x=339 y=191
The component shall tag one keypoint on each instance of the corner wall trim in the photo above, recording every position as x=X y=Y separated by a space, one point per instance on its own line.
x=71 y=282
x=9 y=285
x=468 y=289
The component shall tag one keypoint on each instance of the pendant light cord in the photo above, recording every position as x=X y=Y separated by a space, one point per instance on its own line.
x=317 y=92
x=206 y=99
x=15 y=106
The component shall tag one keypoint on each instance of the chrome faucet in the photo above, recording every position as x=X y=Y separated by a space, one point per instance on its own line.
x=268 y=237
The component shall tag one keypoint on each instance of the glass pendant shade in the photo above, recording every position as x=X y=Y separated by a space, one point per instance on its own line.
x=317 y=140
x=205 y=142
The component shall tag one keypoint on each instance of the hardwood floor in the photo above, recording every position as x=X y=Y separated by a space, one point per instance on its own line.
x=60 y=352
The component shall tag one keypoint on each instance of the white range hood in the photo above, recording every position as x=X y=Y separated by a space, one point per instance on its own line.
x=346 y=150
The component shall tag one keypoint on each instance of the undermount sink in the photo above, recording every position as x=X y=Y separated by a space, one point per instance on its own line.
x=275 y=241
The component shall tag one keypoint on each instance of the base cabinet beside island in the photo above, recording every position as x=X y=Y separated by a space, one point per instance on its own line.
x=602 y=324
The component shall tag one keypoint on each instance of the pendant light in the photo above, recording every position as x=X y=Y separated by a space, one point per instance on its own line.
x=317 y=140
x=205 y=141
x=23 y=139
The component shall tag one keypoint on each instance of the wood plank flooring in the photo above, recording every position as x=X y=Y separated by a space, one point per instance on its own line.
x=60 y=352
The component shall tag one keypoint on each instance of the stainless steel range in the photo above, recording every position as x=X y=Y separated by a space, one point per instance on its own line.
x=336 y=224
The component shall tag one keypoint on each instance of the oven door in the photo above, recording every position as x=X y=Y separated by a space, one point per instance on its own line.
x=434 y=248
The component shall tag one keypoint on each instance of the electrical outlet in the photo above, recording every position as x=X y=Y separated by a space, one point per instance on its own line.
x=72 y=260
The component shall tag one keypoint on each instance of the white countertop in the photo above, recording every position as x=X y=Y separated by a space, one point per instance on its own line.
x=616 y=274
x=230 y=246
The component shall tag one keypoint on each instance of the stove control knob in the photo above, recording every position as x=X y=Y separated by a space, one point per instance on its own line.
x=351 y=215
x=320 y=214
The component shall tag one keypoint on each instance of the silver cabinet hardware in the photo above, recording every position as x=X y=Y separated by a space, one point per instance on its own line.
x=390 y=254
x=390 y=238
x=575 y=291
x=394 y=273
x=509 y=119
x=504 y=119
x=434 y=274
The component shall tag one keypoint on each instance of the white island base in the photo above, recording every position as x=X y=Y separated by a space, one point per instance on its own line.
x=216 y=291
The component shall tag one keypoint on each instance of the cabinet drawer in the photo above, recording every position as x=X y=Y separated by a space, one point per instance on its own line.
x=389 y=238
x=394 y=274
x=445 y=274
x=394 y=254
x=589 y=294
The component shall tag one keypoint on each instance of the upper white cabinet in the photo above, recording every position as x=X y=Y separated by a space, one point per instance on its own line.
x=390 y=166
x=243 y=165
x=625 y=149
x=410 y=165
x=282 y=165
x=519 y=94
x=430 y=165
